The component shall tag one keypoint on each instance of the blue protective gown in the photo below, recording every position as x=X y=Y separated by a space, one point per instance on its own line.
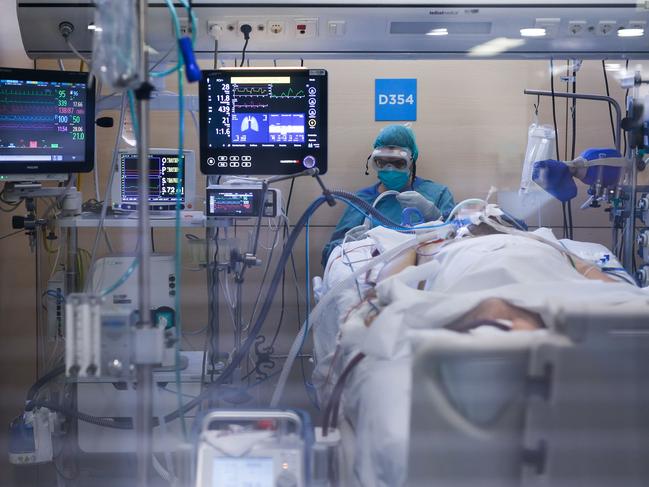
x=389 y=207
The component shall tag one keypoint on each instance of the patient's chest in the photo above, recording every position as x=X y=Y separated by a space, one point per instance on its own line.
x=498 y=260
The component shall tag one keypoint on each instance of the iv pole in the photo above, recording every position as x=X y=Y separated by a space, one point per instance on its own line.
x=144 y=369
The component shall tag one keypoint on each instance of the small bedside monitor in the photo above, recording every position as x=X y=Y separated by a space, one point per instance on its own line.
x=164 y=171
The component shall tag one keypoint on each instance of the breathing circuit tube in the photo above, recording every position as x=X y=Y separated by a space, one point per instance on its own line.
x=348 y=198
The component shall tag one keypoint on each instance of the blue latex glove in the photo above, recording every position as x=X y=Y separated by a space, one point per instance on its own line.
x=412 y=199
x=554 y=177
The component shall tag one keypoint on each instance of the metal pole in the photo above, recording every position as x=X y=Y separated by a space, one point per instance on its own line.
x=584 y=96
x=40 y=345
x=144 y=372
x=629 y=229
x=71 y=263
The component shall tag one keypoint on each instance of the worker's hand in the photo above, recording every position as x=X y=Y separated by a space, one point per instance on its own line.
x=412 y=199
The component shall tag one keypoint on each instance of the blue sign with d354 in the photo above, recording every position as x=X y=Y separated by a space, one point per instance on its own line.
x=395 y=99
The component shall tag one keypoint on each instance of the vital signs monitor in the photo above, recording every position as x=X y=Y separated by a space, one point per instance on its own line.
x=46 y=123
x=164 y=171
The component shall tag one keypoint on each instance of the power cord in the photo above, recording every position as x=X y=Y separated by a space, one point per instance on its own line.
x=245 y=29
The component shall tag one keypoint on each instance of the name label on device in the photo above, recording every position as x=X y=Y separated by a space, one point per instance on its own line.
x=395 y=99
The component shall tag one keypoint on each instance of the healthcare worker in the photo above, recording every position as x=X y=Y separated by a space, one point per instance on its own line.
x=394 y=160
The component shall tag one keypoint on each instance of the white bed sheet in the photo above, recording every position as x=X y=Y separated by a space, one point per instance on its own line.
x=376 y=401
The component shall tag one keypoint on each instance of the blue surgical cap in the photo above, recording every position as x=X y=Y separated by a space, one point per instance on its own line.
x=400 y=136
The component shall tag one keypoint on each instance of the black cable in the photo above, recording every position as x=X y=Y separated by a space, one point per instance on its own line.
x=565 y=141
x=243 y=53
x=573 y=151
x=610 y=108
x=286 y=230
x=11 y=234
x=216 y=53
x=554 y=110
x=332 y=408
x=152 y=241
x=245 y=29
x=556 y=140
x=290 y=195
x=626 y=107
x=73 y=413
x=214 y=317
x=36 y=386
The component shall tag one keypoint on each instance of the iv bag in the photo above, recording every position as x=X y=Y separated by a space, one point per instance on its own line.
x=540 y=147
x=115 y=54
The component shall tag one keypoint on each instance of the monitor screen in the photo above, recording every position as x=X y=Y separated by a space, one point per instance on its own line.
x=164 y=171
x=263 y=121
x=238 y=471
x=233 y=202
x=47 y=122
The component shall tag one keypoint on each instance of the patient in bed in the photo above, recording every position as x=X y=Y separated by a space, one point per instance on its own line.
x=489 y=282
x=487 y=263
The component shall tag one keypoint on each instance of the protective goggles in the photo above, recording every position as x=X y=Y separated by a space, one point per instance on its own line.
x=399 y=158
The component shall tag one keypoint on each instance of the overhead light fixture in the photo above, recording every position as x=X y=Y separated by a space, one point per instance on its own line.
x=495 y=47
x=438 y=32
x=635 y=32
x=533 y=32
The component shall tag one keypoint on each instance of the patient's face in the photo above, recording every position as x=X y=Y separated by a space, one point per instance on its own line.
x=494 y=309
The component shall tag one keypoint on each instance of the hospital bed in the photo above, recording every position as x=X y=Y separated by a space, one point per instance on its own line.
x=565 y=410
x=499 y=408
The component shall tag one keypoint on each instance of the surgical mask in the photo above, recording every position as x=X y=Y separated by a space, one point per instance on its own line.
x=394 y=180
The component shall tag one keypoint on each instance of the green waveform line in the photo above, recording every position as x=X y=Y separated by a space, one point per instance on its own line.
x=288 y=93
x=23 y=93
x=252 y=91
x=6 y=100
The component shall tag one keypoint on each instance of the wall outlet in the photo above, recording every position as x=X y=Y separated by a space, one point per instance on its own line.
x=258 y=27
x=220 y=28
x=185 y=26
x=276 y=27
x=577 y=27
x=606 y=27
x=306 y=28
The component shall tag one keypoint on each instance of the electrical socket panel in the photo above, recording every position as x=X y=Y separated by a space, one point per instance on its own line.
x=606 y=27
x=185 y=26
x=230 y=28
x=577 y=28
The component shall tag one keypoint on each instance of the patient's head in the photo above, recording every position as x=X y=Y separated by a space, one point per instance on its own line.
x=491 y=310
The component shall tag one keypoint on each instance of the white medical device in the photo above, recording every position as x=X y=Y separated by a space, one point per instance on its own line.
x=164 y=171
x=255 y=448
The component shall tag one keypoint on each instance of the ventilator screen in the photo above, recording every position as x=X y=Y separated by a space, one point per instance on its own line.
x=263 y=121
